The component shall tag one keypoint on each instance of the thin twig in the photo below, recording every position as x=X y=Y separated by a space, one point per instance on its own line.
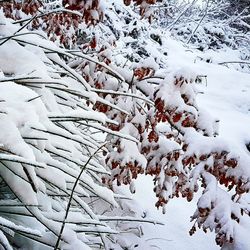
x=202 y=18
x=170 y=27
x=241 y=62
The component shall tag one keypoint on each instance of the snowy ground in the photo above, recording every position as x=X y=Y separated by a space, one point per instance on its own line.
x=174 y=234
x=227 y=96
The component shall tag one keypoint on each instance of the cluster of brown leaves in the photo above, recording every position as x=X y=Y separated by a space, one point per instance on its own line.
x=13 y=9
x=139 y=2
x=58 y=25
x=143 y=72
x=144 y=7
x=122 y=173
x=86 y=8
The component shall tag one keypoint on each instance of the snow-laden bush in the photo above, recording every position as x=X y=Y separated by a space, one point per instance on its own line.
x=210 y=26
x=51 y=160
x=207 y=36
x=55 y=101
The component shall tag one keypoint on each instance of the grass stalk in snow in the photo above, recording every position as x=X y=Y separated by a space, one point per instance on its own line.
x=229 y=62
x=18 y=159
x=123 y=94
x=103 y=218
x=71 y=197
x=20 y=29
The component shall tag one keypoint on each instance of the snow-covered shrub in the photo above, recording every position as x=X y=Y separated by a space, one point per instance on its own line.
x=210 y=26
x=118 y=82
x=177 y=142
x=207 y=36
x=51 y=161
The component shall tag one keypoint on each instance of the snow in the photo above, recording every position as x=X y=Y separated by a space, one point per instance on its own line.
x=17 y=60
x=5 y=242
x=64 y=150
x=129 y=149
x=226 y=96
x=18 y=113
x=11 y=225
